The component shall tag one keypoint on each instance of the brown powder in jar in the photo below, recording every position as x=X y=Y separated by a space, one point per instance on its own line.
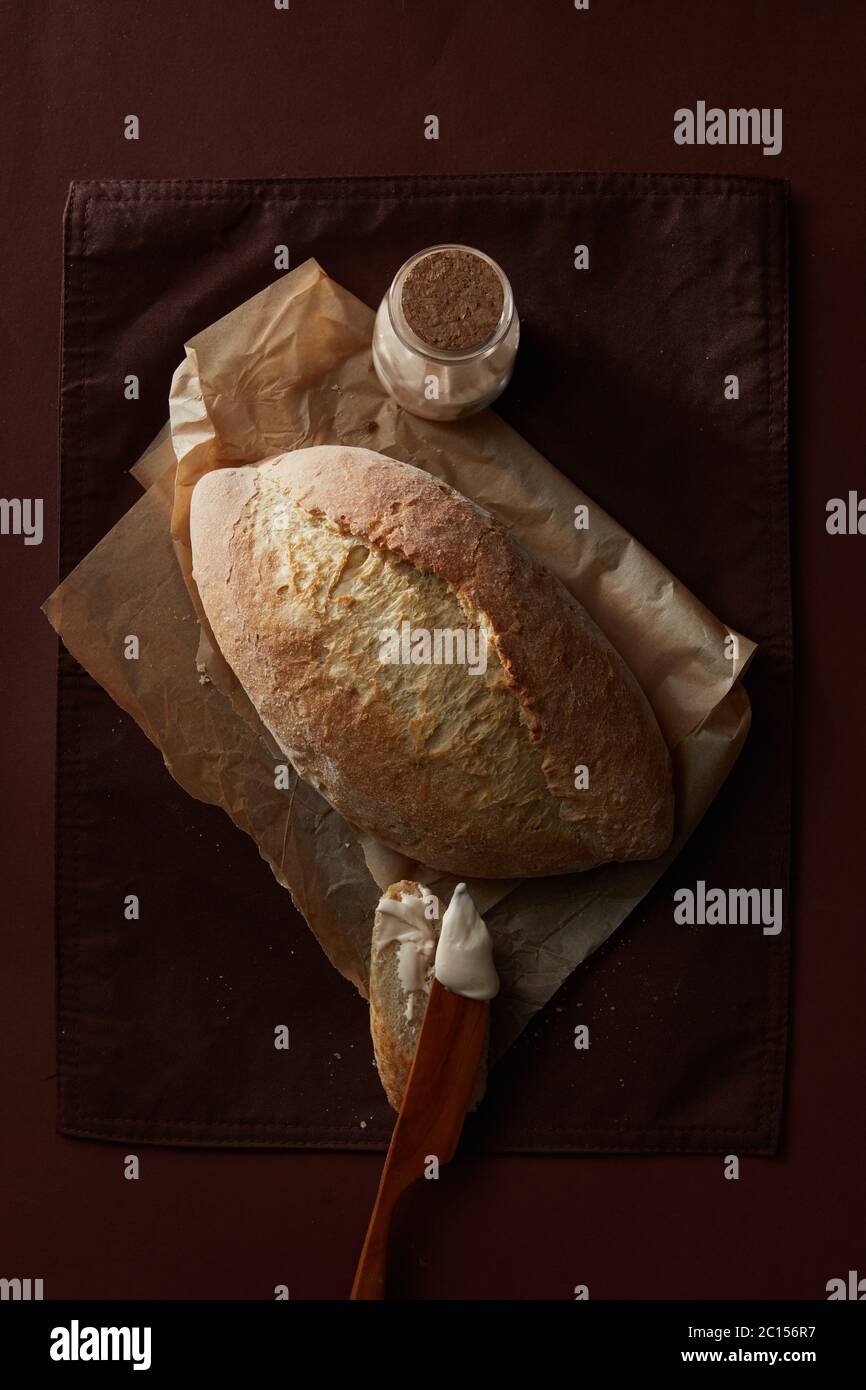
x=452 y=299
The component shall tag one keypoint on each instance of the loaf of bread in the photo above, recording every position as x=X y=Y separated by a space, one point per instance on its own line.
x=396 y=1013
x=432 y=681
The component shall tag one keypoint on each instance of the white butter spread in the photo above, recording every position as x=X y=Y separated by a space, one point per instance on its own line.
x=464 y=956
x=410 y=921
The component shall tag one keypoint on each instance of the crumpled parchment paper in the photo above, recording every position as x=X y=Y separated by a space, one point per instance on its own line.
x=291 y=368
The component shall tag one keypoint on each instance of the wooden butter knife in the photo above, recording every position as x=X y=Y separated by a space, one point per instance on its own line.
x=441 y=1080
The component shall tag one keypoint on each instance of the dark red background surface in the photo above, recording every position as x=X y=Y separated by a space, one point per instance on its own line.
x=334 y=88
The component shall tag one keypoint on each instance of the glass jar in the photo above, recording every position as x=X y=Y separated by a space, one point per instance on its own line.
x=443 y=383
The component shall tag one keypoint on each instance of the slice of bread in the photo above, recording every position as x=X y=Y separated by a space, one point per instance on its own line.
x=395 y=1016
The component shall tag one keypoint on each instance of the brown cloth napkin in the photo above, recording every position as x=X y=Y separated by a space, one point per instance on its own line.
x=167 y=1023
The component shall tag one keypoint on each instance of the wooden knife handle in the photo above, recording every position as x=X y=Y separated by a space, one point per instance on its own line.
x=437 y=1095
